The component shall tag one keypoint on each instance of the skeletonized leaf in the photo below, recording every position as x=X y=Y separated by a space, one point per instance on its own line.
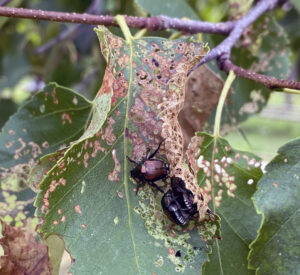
x=276 y=249
x=228 y=177
x=88 y=197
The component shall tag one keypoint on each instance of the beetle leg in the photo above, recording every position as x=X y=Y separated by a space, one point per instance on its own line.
x=131 y=160
x=156 y=186
x=155 y=152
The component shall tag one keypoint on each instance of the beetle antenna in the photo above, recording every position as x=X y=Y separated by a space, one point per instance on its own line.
x=131 y=160
x=157 y=149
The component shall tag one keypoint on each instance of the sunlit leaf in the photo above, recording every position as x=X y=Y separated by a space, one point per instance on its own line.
x=276 y=249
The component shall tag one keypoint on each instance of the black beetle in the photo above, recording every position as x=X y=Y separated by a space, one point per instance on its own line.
x=178 y=202
x=149 y=170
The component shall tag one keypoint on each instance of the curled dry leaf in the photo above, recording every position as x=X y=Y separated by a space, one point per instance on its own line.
x=22 y=254
x=202 y=93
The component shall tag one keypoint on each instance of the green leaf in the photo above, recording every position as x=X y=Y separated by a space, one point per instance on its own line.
x=230 y=184
x=265 y=50
x=276 y=249
x=172 y=8
x=88 y=197
x=52 y=118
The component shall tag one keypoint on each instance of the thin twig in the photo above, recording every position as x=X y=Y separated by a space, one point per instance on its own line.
x=268 y=81
x=150 y=23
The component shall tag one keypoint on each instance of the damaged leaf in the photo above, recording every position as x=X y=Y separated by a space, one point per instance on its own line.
x=22 y=254
x=49 y=120
x=276 y=248
x=228 y=180
x=88 y=197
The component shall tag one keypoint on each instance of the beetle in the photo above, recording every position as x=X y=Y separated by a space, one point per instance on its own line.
x=149 y=170
x=178 y=203
x=184 y=196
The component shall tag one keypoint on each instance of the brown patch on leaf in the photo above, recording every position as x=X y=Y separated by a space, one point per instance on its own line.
x=114 y=175
x=77 y=209
x=65 y=117
x=54 y=184
x=22 y=253
x=202 y=90
x=55 y=100
x=109 y=135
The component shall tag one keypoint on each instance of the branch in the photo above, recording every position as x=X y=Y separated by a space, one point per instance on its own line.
x=233 y=30
x=270 y=82
x=150 y=23
x=222 y=52
x=224 y=48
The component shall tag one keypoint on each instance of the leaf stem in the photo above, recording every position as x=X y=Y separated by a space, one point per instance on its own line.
x=140 y=33
x=223 y=96
x=289 y=91
x=124 y=27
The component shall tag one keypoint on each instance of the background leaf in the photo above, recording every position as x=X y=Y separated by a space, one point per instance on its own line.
x=296 y=4
x=230 y=183
x=276 y=249
x=7 y=108
x=172 y=8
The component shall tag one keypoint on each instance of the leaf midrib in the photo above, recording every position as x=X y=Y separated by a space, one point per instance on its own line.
x=126 y=187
